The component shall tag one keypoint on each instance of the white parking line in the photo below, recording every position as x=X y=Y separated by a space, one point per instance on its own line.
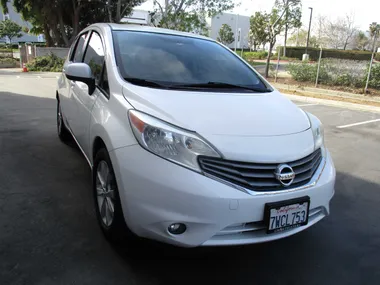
x=304 y=105
x=358 y=124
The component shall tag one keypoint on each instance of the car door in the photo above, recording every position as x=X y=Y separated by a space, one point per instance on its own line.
x=76 y=55
x=83 y=101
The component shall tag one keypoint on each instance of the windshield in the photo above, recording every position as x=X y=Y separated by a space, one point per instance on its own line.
x=173 y=61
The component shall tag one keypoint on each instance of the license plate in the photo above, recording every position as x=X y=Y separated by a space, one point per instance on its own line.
x=286 y=215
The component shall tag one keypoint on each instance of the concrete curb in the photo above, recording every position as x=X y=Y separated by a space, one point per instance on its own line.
x=338 y=104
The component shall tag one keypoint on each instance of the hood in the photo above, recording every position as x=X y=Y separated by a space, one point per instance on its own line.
x=228 y=114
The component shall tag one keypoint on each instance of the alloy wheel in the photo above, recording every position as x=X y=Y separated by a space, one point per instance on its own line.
x=105 y=192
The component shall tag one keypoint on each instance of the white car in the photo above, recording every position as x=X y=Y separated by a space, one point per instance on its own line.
x=188 y=144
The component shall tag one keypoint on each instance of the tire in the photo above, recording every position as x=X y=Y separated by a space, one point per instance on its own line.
x=106 y=197
x=63 y=133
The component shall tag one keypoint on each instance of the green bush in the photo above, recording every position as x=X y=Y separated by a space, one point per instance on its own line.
x=333 y=71
x=374 y=81
x=252 y=55
x=377 y=56
x=297 y=52
x=49 y=63
x=8 y=60
x=302 y=71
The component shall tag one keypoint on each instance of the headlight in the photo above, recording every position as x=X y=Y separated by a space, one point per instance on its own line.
x=167 y=141
x=318 y=132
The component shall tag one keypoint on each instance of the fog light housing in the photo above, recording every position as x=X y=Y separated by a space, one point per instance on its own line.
x=177 y=229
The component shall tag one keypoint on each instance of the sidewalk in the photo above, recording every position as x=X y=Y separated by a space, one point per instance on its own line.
x=330 y=97
x=18 y=72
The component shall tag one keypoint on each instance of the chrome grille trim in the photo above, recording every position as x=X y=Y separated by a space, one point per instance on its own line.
x=260 y=177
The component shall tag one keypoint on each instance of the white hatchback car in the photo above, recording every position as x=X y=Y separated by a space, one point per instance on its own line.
x=188 y=144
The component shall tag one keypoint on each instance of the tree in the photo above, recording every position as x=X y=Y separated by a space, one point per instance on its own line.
x=361 y=41
x=275 y=24
x=348 y=29
x=337 y=34
x=292 y=17
x=226 y=36
x=10 y=30
x=188 y=15
x=61 y=20
x=374 y=30
x=300 y=39
x=258 y=29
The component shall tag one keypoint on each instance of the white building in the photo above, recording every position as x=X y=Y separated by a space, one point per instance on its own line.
x=240 y=26
x=137 y=17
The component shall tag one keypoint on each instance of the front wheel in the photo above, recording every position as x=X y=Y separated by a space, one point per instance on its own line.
x=63 y=133
x=107 y=200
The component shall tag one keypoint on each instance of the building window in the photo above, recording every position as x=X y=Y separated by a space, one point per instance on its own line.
x=6 y=17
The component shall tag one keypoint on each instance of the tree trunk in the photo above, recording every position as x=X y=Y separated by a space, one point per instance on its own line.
x=48 y=39
x=118 y=11
x=109 y=12
x=285 y=39
x=75 y=20
x=268 y=60
x=62 y=30
x=345 y=45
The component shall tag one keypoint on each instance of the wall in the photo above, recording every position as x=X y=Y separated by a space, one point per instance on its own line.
x=138 y=17
x=233 y=20
x=60 y=52
x=15 y=17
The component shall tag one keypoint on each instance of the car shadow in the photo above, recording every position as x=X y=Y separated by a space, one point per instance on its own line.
x=49 y=234
x=341 y=249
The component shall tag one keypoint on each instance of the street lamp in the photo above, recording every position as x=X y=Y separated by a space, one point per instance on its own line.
x=308 y=34
x=236 y=30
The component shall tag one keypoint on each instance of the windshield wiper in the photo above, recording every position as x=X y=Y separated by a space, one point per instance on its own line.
x=222 y=85
x=144 y=82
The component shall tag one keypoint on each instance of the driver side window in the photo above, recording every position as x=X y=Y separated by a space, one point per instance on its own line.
x=78 y=52
x=94 y=56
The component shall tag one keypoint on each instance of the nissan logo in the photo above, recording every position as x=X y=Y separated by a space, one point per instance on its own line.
x=285 y=174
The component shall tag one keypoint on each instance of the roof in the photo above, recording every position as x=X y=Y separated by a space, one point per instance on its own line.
x=149 y=29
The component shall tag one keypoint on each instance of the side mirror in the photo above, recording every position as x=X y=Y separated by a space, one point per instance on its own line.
x=81 y=72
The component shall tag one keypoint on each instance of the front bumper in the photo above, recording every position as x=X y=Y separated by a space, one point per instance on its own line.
x=156 y=193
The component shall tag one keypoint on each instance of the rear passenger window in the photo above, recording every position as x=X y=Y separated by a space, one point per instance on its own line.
x=94 y=56
x=78 y=54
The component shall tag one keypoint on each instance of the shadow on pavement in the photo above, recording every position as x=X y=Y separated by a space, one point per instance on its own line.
x=49 y=235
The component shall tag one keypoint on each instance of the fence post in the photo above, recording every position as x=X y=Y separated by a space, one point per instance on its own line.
x=278 y=64
x=370 y=64
x=319 y=66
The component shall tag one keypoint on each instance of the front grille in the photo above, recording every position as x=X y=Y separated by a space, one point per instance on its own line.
x=260 y=176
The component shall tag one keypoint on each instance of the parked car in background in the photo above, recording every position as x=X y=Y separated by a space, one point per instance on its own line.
x=188 y=144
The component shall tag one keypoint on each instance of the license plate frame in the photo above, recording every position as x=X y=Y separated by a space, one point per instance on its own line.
x=281 y=204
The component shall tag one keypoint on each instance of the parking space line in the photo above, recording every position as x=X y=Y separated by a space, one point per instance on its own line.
x=358 y=124
x=304 y=105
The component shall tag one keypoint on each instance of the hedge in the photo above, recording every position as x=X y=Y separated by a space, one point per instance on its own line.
x=50 y=63
x=297 y=52
x=249 y=56
x=338 y=72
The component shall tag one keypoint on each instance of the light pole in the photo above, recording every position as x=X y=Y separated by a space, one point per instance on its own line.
x=308 y=34
x=236 y=31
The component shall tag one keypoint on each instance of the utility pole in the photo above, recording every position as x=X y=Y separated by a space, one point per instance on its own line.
x=372 y=57
x=308 y=34
x=236 y=30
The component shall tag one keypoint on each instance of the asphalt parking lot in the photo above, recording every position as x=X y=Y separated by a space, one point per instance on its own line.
x=49 y=235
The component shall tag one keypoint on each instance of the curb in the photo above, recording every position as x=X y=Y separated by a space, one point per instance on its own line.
x=339 y=104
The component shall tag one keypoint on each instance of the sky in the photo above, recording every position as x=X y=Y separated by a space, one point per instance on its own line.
x=364 y=11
